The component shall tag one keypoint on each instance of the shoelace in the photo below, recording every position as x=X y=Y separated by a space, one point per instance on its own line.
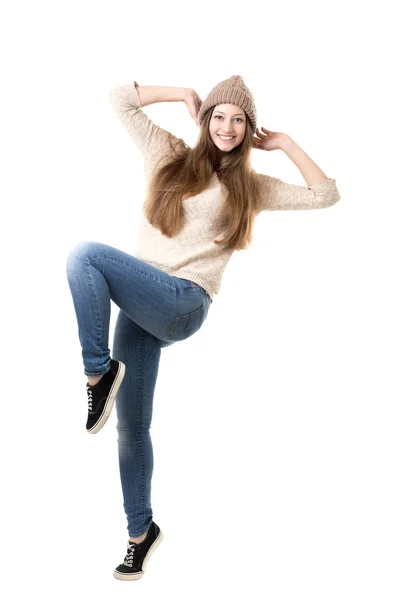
x=129 y=555
x=90 y=399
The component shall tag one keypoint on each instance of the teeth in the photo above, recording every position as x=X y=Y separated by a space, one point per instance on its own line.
x=226 y=138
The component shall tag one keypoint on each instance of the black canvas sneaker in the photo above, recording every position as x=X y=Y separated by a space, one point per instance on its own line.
x=101 y=396
x=137 y=555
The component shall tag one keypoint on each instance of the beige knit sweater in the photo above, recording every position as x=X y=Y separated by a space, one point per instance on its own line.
x=192 y=254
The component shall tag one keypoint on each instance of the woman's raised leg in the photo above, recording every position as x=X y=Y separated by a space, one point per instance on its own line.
x=169 y=307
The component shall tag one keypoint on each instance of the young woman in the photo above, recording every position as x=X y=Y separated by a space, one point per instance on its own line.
x=199 y=208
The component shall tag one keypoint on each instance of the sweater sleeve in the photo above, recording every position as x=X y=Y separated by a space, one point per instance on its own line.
x=279 y=195
x=151 y=139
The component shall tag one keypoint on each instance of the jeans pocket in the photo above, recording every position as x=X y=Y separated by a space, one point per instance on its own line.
x=183 y=326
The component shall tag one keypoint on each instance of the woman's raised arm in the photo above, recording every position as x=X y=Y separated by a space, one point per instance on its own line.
x=152 y=140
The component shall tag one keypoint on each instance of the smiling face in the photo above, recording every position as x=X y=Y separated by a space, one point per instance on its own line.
x=230 y=121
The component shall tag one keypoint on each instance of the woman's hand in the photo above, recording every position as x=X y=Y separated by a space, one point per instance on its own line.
x=269 y=140
x=193 y=103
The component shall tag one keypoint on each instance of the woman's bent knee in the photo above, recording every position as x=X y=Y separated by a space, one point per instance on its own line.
x=82 y=250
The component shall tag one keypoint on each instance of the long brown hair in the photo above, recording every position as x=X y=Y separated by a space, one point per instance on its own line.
x=189 y=173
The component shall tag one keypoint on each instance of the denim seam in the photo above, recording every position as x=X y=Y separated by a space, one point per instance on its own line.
x=121 y=262
x=93 y=288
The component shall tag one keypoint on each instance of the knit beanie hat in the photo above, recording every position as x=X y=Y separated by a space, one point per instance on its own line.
x=231 y=91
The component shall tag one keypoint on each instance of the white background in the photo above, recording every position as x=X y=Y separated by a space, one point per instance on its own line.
x=276 y=428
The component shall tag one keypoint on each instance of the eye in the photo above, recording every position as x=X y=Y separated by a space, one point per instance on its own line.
x=216 y=117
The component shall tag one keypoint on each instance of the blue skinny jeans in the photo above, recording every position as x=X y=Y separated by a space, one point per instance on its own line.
x=156 y=310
